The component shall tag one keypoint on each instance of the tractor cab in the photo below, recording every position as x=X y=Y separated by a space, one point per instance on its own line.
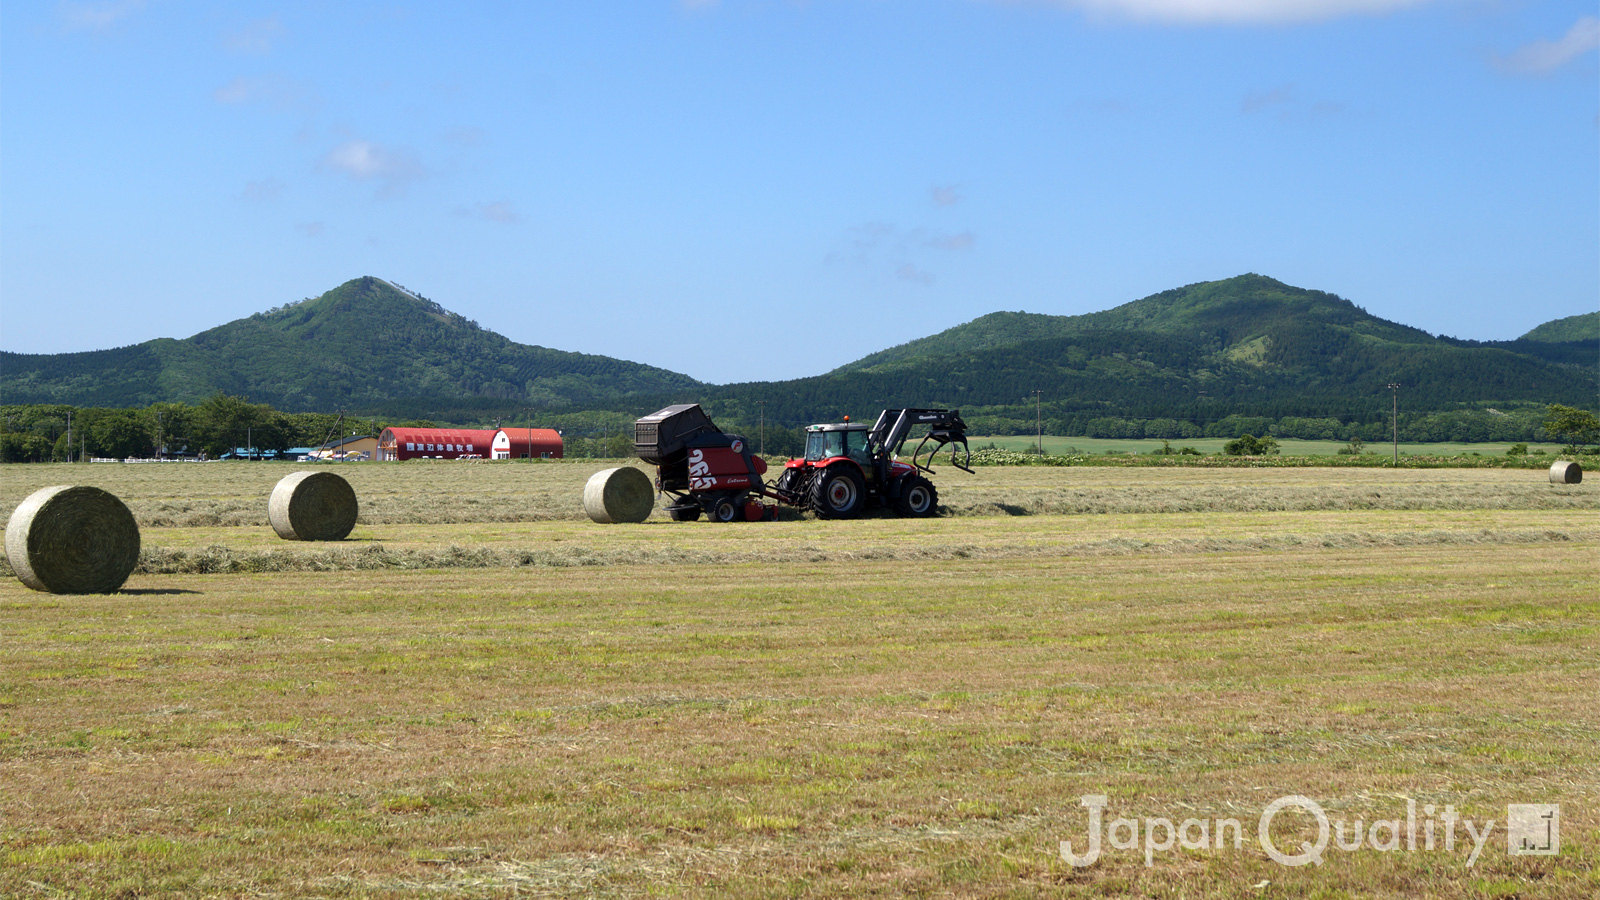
x=849 y=439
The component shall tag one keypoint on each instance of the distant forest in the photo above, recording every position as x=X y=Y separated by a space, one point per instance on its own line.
x=40 y=433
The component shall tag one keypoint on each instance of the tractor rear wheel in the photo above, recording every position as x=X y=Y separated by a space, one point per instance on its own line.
x=918 y=498
x=838 y=492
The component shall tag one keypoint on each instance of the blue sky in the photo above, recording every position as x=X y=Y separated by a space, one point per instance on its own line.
x=756 y=189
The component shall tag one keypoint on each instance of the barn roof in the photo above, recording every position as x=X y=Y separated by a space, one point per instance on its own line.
x=472 y=436
x=538 y=437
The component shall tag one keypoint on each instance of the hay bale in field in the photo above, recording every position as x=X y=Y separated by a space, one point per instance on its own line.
x=1564 y=472
x=624 y=494
x=72 y=540
x=312 y=506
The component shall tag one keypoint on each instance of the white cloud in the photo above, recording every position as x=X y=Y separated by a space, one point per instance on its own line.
x=909 y=272
x=1263 y=100
x=278 y=92
x=1242 y=12
x=466 y=136
x=262 y=190
x=945 y=194
x=256 y=37
x=499 y=211
x=239 y=90
x=309 y=229
x=97 y=16
x=1284 y=103
x=883 y=248
x=367 y=160
x=358 y=159
x=1543 y=57
x=962 y=241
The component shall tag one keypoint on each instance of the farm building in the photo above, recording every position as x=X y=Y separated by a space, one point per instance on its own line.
x=354 y=447
x=527 y=443
x=434 y=443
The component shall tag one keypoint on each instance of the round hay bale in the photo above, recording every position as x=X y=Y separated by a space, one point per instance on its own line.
x=1564 y=472
x=312 y=506
x=72 y=540
x=623 y=494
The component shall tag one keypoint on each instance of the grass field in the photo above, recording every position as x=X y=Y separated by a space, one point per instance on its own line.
x=1289 y=446
x=443 y=492
x=498 y=704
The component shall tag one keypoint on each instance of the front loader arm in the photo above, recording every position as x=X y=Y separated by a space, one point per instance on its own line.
x=944 y=427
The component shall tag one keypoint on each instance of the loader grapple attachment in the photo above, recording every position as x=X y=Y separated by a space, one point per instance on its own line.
x=945 y=426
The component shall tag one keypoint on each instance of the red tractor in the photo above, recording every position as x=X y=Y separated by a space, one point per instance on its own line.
x=847 y=467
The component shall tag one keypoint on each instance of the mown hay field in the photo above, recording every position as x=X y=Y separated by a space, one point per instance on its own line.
x=447 y=491
x=516 y=702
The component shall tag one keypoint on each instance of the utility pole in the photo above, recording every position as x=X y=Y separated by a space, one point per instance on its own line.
x=1038 y=411
x=763 y=404
x=69 y=435
x=1394 y=389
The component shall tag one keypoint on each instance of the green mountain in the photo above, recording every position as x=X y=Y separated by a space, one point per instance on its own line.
x=365 y=345
x=1238 y=314
x=1242 y=344
x=1581 y=327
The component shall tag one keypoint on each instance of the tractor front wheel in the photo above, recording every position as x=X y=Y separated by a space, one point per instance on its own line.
x=918 y=498
x=838 y=493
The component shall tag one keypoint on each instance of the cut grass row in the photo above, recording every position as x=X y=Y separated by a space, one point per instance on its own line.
x=1069 y=446
x=567 y=544
x=232 y=494
x=786 y=727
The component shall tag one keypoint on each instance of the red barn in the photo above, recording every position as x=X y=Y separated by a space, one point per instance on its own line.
x=434 y=443
x=527 y=443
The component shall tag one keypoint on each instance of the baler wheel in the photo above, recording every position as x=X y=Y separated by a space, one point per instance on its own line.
x=726 y=510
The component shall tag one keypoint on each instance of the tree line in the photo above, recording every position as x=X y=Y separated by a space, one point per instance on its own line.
x=216 y=425
x=223 y=422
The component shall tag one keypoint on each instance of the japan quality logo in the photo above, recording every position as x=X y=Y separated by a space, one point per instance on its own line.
x=1533 y=829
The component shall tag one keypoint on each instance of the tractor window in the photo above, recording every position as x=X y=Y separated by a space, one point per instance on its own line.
x=833 y=443
x=856 y=446
x=814 y=446
x=822 y=445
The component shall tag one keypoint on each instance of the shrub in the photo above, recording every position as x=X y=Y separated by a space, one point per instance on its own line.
x=1250 y=445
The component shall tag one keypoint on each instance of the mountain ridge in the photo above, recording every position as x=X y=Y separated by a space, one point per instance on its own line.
x=365 y=343
x=1254 y=301
x=1581 y=327
x=1251 y=341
